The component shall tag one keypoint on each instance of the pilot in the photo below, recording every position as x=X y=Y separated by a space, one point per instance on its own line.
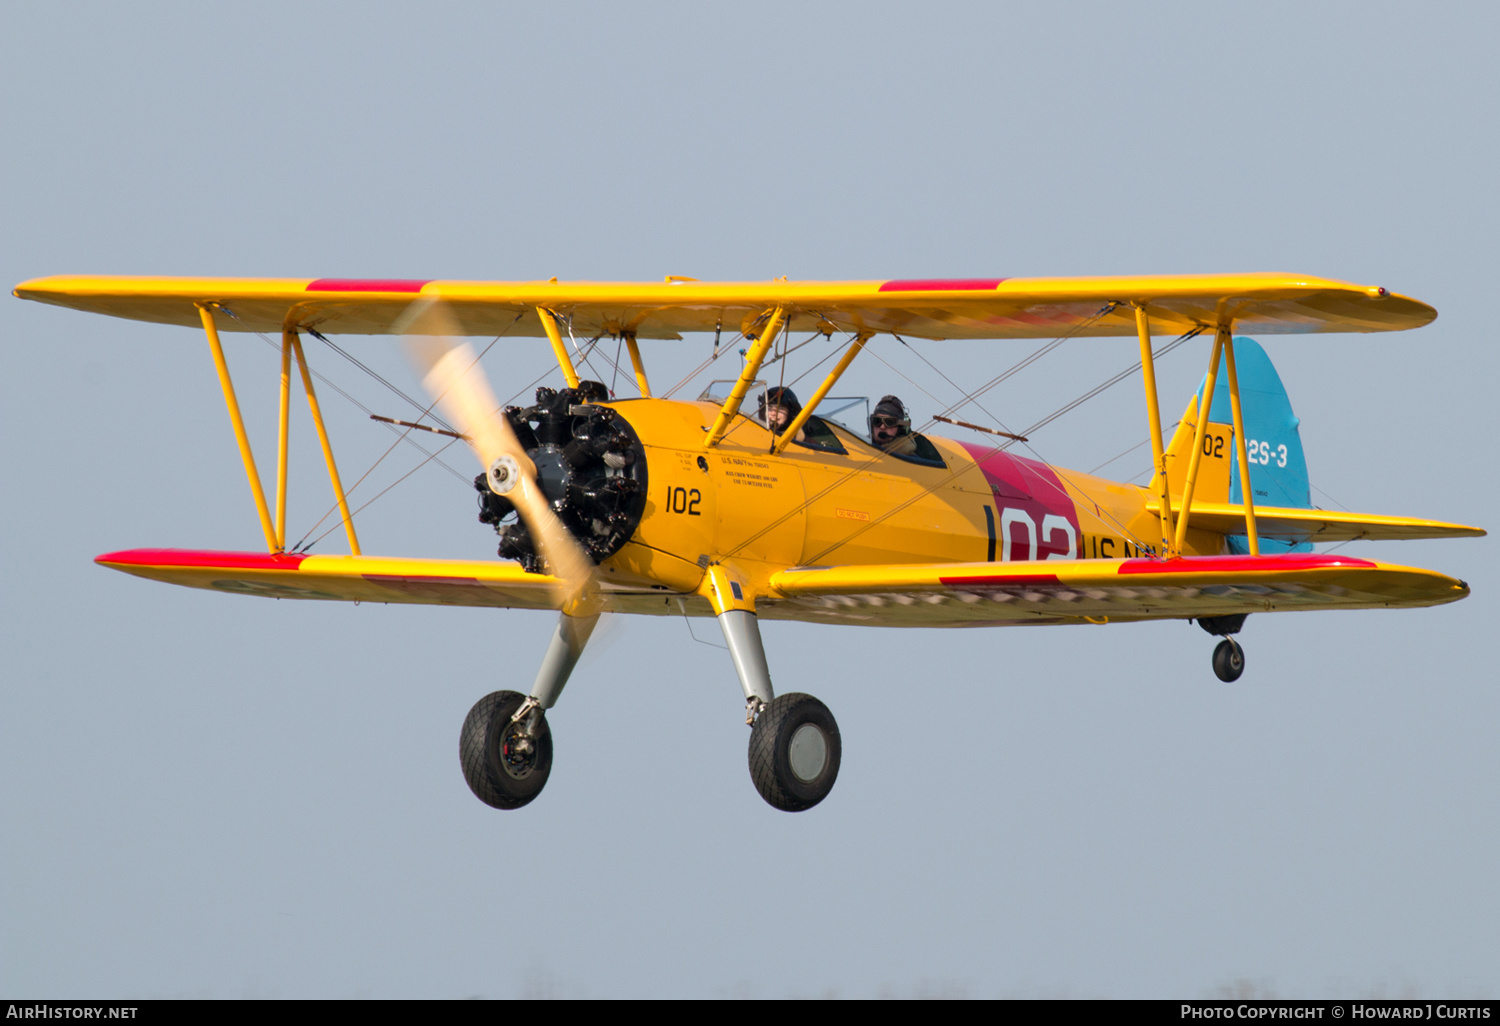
x=890 y=427
x=778 y=408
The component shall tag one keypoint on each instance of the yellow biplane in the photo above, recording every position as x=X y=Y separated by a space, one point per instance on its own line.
x=745 y=504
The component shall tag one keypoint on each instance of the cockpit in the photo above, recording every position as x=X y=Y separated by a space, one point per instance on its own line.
x=850 y=414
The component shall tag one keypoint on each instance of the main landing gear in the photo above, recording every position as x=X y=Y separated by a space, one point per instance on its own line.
x=505 y=747
x=795 y=750
x=1229 y=658
x=794 y=740
x=506 y=757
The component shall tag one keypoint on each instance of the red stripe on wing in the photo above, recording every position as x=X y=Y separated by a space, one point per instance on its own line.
x=367 y=285
x=1240 y=564
x=999 y=580
x=941 y=285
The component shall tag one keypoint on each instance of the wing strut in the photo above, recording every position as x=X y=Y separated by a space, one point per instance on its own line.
x=823 y=389
x=1153 y=415
x=273 y=544
x=290 y=345
x=1239 y=446
x=753 y=359
x=282 y=437
x=1199 y=431
x=564 y=361
x=640 y=368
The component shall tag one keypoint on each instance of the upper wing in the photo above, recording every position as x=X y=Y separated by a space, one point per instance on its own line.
x=1070 y=591
x=343 y=578
x=925 y=308
x=1317 y=525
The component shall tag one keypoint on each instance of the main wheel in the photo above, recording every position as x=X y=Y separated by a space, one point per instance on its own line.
x=501 y=768
x=1229 y=661
x=794 y=752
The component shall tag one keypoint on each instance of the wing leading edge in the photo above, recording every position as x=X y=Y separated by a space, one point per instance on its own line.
x=1073 y=591
x=920 y=595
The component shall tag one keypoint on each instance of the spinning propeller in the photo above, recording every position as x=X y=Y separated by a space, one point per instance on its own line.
x=457 y=384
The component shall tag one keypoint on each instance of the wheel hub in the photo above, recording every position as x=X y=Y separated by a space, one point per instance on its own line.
x=517 y=753
x=808 y=753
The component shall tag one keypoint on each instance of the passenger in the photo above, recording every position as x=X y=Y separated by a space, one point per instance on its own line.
x=890 y=427
x=778 y=408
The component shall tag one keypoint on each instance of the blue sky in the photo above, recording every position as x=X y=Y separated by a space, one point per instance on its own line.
x=210 y=795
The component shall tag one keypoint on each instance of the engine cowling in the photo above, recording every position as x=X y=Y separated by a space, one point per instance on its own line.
x=590 y=465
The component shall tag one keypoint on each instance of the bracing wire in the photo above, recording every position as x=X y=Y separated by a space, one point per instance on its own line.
x=402 y=435
x=368 y=501
x=704 y=365
x=374 y=374
x=1027 y=361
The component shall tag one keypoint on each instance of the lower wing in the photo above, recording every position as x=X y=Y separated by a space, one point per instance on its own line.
x=1097 y=591
x=343 y=578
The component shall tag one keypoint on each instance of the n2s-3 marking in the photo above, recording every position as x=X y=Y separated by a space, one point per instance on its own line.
x=1262 y=453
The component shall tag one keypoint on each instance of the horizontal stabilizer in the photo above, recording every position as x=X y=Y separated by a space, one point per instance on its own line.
x=1317 y=525
x=1098 y=590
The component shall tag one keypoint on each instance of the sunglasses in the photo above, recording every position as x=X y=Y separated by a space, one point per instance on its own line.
x=886 y=422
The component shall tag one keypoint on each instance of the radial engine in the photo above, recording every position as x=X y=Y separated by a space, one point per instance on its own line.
x=590 y=465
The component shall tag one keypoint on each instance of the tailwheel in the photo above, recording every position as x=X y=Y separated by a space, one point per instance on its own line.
x=794 y=752
x=505 y=763
x=1229 y=660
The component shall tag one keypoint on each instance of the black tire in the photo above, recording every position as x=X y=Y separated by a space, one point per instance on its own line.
x=495 y=773
x=795 y=752
x=1229 y=661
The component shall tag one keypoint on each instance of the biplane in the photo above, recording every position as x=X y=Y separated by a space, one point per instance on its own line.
x=742 y=505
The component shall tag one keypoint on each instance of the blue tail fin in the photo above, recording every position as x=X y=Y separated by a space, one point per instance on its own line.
x=1278 y=470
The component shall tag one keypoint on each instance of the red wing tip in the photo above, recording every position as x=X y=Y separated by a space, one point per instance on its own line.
x=200 y=558
x=1215 y=564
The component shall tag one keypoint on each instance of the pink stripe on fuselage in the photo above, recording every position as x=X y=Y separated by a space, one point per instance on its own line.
x=1026 y=492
